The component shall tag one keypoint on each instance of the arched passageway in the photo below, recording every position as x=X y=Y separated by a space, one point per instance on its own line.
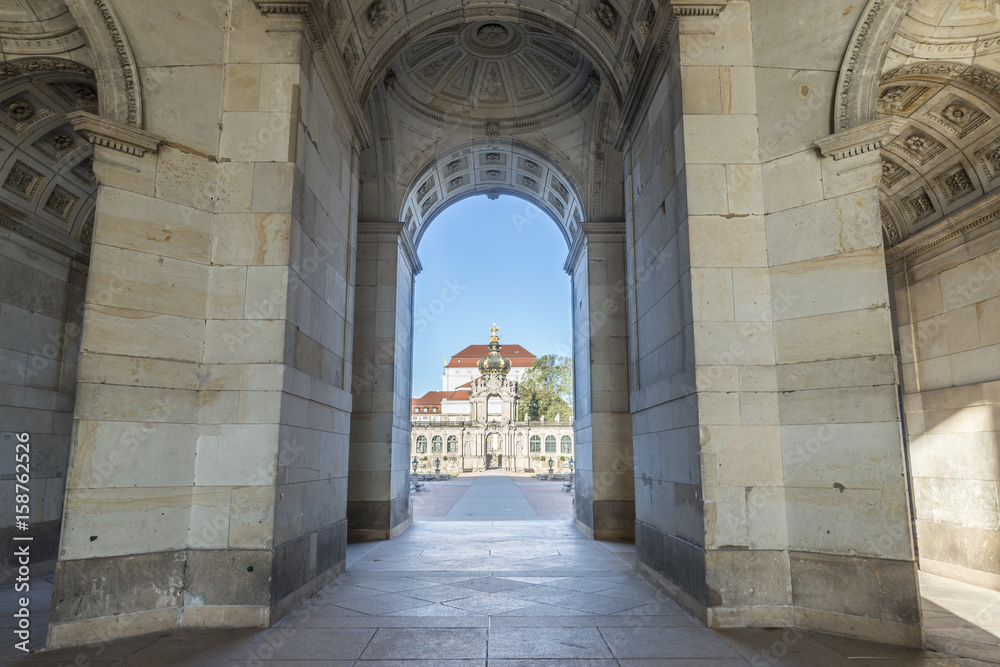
x=258 y=202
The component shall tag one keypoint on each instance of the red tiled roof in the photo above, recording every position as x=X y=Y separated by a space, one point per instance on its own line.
x=469 y=356
x=435 y=398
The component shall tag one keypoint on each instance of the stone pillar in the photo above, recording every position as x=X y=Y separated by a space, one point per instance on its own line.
x=769 y=469
x=605 y=499
x=378 y=506
x=208 y=467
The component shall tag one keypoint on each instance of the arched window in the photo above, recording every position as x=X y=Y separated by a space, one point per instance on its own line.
x=436 y=444
x=550 y=444
x=567 y=444
x=421 y=444
x=452 y=444
x=536 y=444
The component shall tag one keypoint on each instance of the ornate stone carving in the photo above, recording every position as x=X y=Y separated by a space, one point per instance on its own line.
x=892 y=173
x=919 y=146
x=59 y=140
x=955 y=184
x=889 y=225
x=125 y=62
x=61 y=203
x=377 y=13
x=20 y=110
x=605 y=14
x=919 y=205
x=989 y=157
x=492 y=34
x=425 y=187
x=23 y=181
x=960 y=117
x=87 y=230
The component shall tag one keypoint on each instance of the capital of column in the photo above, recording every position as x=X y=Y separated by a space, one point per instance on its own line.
x=592 y=232
x=391 y=232
x=113 y=134
x=867 y=138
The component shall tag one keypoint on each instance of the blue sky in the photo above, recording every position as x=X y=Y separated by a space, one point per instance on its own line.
x=483 y=262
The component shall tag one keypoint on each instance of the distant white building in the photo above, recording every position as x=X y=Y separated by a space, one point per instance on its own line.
x=471 y=424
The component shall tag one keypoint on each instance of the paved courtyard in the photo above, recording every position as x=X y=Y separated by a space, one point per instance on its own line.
x=488 y=580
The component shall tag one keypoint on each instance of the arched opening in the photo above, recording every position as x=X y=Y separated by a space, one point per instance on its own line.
x=522 y=288
x=938 y=195
x=47 y=207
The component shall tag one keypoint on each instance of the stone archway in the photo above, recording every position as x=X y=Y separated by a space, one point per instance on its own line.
x=498 y=101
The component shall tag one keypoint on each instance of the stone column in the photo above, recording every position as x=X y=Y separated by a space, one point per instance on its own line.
x=378 y=506
x=207 y=476
x=770 y=478
x=605 y=499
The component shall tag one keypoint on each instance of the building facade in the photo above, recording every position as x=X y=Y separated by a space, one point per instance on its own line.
x=473 y=426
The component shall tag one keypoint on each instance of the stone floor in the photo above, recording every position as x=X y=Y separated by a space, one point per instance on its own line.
x=455 y=590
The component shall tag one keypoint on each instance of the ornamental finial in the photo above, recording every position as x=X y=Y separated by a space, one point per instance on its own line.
x=493 y=364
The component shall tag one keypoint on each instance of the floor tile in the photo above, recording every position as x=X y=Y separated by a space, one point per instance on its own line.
x=666 y=643
x=538 y=643
x=488 y=604
x=422 y=644
x=305 y=644
x=381 y=604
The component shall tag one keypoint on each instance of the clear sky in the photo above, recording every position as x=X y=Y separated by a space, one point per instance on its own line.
x=483 y=262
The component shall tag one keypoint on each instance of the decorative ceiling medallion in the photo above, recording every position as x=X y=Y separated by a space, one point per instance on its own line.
x=491 y=68
x=492 y=39
x=892 y=173
x=900 y=99
x=959 y=117
x=920 y=146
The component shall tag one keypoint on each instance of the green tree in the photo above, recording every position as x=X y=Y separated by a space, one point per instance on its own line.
x=547 y=389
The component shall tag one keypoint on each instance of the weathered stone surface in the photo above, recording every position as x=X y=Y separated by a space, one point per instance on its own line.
x=98 y=587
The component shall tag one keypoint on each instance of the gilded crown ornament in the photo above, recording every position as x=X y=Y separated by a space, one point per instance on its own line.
x=493 y=365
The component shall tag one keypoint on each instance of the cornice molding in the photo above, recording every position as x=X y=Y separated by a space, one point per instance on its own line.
x=592 y=232
x=969 y=219
x=859 y=140
x=603 y=232
x=391 y=232
x=317 y=28
x=653 y=63
x=113 y=134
